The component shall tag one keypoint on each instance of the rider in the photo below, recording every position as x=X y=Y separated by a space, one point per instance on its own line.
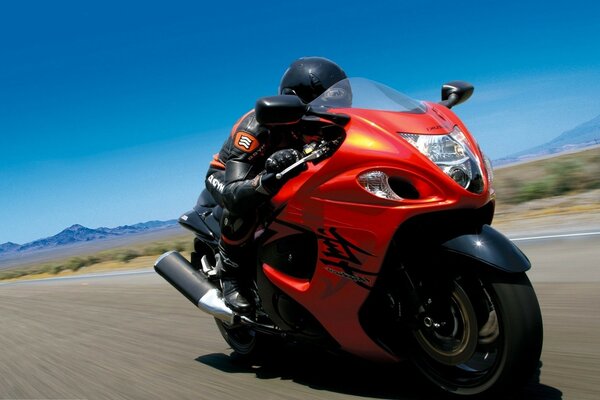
x=241 y=177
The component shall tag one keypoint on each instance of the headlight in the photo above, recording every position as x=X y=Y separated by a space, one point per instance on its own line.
x=453 y=155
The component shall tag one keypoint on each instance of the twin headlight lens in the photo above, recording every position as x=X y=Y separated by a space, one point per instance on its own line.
x=451 y=152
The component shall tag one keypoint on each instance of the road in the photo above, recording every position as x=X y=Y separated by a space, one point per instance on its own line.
x=134 y=337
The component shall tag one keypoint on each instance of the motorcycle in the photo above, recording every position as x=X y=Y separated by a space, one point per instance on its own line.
x=382 y=248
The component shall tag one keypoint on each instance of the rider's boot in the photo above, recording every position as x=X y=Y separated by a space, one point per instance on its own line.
x=231 y=283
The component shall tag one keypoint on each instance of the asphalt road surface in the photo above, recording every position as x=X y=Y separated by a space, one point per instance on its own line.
x=134 y=337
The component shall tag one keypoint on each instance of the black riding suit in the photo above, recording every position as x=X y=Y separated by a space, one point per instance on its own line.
x=233 y=179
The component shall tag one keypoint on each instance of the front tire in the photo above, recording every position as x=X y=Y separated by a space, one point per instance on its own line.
x=489 y=334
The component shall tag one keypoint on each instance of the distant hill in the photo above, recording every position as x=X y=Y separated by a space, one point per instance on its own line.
x=580 y=137
x=78 y=233
x=8 y=247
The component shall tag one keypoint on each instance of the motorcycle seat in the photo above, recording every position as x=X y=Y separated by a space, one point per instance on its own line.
x=205 y=218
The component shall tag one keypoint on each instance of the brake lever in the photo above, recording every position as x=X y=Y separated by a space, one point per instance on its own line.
x=312 y=156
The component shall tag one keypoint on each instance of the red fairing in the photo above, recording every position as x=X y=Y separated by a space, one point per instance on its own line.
x=354 y=227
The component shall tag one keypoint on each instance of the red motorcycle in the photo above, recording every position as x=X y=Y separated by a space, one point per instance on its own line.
x=382 y=248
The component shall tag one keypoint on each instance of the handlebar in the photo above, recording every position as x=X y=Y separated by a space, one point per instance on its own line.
x=319 y=152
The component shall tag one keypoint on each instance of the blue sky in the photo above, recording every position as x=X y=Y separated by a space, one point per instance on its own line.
x=110 y=111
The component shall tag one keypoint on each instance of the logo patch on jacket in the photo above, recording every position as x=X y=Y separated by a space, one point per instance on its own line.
x=245 y=142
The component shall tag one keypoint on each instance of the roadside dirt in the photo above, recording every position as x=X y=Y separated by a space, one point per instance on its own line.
x=576 y=212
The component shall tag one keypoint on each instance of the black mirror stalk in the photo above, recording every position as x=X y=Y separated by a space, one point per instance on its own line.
x=456 y=92
x=338 y=119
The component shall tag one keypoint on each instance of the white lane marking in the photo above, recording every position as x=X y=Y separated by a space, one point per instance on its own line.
x=566 y=235
x=87 y=276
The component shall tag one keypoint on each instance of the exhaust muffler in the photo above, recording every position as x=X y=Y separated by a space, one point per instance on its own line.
x=192 y=284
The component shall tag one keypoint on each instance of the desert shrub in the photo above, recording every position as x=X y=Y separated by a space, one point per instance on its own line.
x=127 y=255
x=591 y=173
x=12 y=274
x=561 y=177
x=566 y=176
x=55 y=268
x=534 y=190
x=91 y=260
x=156 y=248
x=509 y=190
x=183 y=246
x=75 y=263
x=163 y=247
x=38 y=269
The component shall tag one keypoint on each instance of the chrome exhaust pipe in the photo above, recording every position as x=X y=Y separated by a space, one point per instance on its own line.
x=193 y=285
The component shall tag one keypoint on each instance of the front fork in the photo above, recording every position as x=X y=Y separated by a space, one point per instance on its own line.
x=417 y=306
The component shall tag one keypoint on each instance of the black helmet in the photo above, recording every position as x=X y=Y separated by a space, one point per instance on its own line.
x=309 y=77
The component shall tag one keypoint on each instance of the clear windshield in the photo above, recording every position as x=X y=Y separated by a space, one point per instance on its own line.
x=367 y=94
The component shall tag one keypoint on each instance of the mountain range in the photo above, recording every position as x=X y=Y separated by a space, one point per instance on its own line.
x=78 y=233
x=580 y=137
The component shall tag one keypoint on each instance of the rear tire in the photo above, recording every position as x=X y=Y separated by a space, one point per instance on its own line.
x=502 y=309
x=247 y=344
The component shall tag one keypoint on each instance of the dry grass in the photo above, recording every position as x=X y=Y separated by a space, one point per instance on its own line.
x=107 y=266
x=136 y=256
x=558 y=176
x=526 y=195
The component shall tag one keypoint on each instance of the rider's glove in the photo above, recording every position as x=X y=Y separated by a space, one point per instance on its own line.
x=281 y=159
x=277 y=162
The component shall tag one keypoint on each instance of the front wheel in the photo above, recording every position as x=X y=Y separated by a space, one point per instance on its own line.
x=481 y=333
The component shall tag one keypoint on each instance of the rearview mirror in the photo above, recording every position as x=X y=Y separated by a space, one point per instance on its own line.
x=456 y=92
x=279 y=110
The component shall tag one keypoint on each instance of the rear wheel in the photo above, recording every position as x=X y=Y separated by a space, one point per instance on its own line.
x=242 y=339
x=246 y=342
x=481 y=334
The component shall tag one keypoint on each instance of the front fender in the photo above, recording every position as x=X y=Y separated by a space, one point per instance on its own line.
x=490 y=247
